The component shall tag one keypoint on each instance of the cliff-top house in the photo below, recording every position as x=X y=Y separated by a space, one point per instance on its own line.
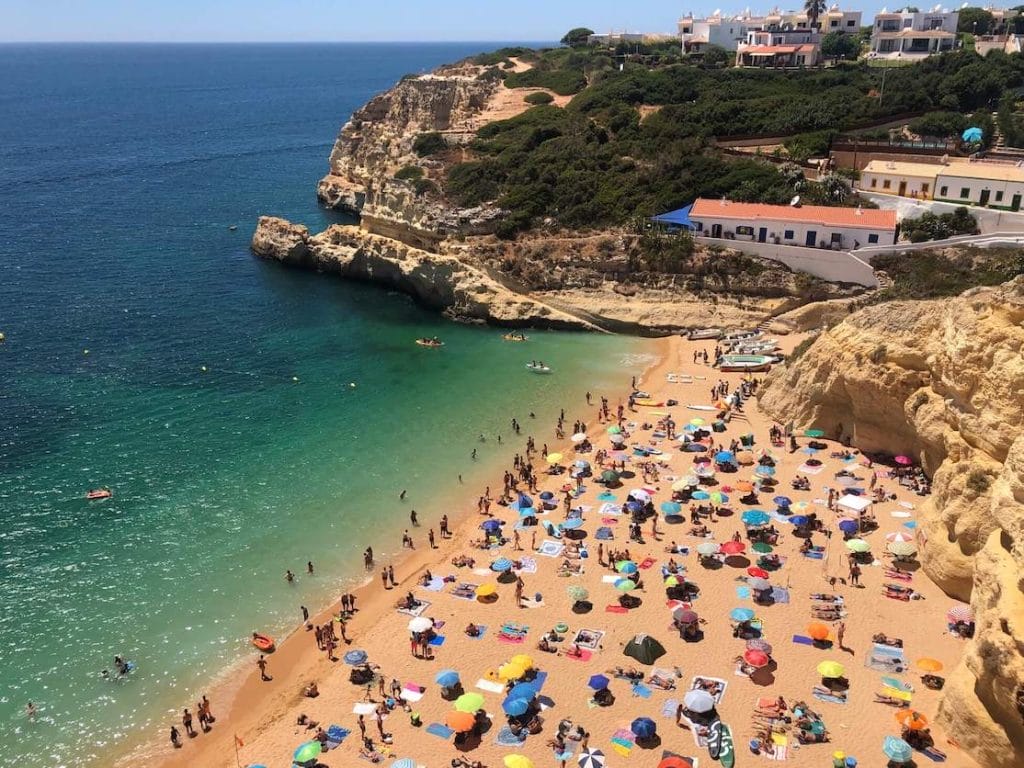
x=734 y=32
x=912 y=34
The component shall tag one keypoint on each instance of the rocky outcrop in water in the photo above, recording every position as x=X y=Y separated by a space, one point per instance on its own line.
x=943 y=381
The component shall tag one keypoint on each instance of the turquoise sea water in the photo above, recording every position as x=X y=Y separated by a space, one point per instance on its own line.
x=121 y=168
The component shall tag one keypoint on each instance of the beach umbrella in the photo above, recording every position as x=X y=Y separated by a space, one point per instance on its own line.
x=579 y=437
x=625 y=585
x=783 y=501
x=510 y=671
x=912 y=719
x=745 y=457
x=684 y=615
x=759 y=644
x=613 y=430
x=641 y=495
x=762 y=547
x=609 y=476
x=757 y=573
x=755 y=517
x=764 y=470
x=626 y=566
x=725 y=457
x=960 y=613
x=617 y=439
x=671 y=581
x=719 y=498
x=800 y=506
x=814 y=433
x=598 y=682
x=546 y=496
x=643 y=728
x=420 y=624
x=580 y=464
x=526 y=691
x=972 y=134
x=681 y=485
x=756 y=658
x=897 y=750
x=515 y=707
x=831 y=669
x=707 y=548
x=517 y=761
x=858 y=545
x=523 y=500
x=903 y=461
x=697 y=422
x=799 y=520
x=644 y=649
x=501 y=565
x=577 y=593
x=848 y=526
x=572 y=524
x=308 y=751
x=459 y=721
x=929 y=665
x=527 y=512
x=405 y=762
x=699 y=701
x=486 y=590
x=898 y=536
x=591 y=758
x=524 y=660
x=355 y=657
x=817 y=631
x=733 y=547
x=469 y=702
x=758 y=584
x=694 y=448
x=554 y=458
x=671 y=507
x=741 y=614
x=491 y=526
x=447 y=678
x=744 y=487
x=700 y=495
x=902 y=548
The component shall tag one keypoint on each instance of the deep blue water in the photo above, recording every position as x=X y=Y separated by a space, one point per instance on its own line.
x=121 y=169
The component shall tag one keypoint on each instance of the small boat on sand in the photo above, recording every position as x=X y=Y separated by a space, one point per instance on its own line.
x=431 y=343
x=647 y=402
x=537 y=368
x=99 y=493
x=745 y=363
x=704 y=333
x=263 y=643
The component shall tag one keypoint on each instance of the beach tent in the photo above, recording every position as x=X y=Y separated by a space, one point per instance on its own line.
x=699 y=701
x=678 y=218
x=856 y=503
x=644 y=649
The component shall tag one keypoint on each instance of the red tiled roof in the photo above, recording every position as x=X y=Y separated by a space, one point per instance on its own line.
x=770 y=50
x=866 y=218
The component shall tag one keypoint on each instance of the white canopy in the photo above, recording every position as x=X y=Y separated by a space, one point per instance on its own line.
x=856 y=503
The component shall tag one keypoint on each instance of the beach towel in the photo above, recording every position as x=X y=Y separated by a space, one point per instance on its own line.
x=604 y=533
x=527 y=565
x=668 y=709
x=802 y=640
x=436 y=729
x=465 y=591
x=506 y=738
x=897 y=694
x=584 y=656
x=641 y=690
x=808 y=469
x=337 y=734
x=780 y=594
x=411 y=695
x=588 y=638
x=722 y=685
x=743 y=593
x=539 y=680
x=608 y=509
x=529 y=602
x=507 y=640
x=623 y=741
x=814 y=555
x=615 y=609
x=417 y=611
x=647 y=563
x=364 y=708
x=933 y=754
x=490 y=686
x=899 y=513
x=436 y=585
x=899 y=685
x=878 y=649
x=609 y=579
x=884 y=663
x=437 y=640
x=829 y=698
x=549 y=548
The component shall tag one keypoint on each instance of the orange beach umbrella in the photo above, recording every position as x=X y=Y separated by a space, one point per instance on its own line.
x=460 y=722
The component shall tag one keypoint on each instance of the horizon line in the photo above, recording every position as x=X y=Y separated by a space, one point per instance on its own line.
x=267 y=42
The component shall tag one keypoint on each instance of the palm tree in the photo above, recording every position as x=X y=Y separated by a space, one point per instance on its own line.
x=813 y=9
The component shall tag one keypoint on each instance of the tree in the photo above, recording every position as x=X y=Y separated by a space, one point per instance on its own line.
x=839 y=45
x=715 y=56
x=577 y=38
x=975 y=21
x=814 y=9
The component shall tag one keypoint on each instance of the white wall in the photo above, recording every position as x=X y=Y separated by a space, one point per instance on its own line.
x=954 y=185
x=834 y=266
x=850 y=237
x=916 y=186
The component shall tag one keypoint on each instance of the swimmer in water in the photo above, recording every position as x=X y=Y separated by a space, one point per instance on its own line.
x=30 y=710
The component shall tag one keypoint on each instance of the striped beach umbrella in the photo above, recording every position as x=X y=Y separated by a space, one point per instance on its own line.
x=899 y=536
x=902 y=548
x=591 y=758
x=897 y=750
x=960 y=613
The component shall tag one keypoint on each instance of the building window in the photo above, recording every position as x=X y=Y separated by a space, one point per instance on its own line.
x=874 y=183
x=886 y=183
x=943 y=191
x=787 y=235
x=999 y=197
x=965 y=192
x=851 y=23
x=744 y=230
x=834 y=23
x=872 y=239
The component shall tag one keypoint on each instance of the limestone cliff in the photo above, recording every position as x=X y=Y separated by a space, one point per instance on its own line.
x=943 y=381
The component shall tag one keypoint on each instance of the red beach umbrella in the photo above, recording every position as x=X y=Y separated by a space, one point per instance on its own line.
x=756 y=658
x=757 y=573
x=733 y=547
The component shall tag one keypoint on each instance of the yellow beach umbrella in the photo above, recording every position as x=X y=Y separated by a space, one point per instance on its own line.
x=511 y=671
x=697 y=422
x=929 y=665
x=554 y=458
x=680 y=485
x=831 y=669
x=486 y=590
x=526 y=662
x=517 y=761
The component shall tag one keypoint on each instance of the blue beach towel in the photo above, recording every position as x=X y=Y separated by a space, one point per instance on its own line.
x=337 y=733
x=506 y=738
x=878 y=649
x=641 y=690
x=482 y=632
x=436 y=729
x=802 y=640
x=829 y=698
x=815 y=555
x=539 y=680
x=437 y=640
x=780 y=594
x=604 y=533
x=743 y=592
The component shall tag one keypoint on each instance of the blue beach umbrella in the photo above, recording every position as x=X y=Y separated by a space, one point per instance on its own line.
x=725 y=457
x=598 y=682
x=501 y=565
x=447 y=678
x=490 y=525
x=765 y=471
x=799 y=520
x=755 y=517
x=355 y=657
x=848 y=526
x=572 y=524
x=515 y=707
x=526 y=691
x=783 y=501
x=643 y=728
x=972 y=134
x=741 y=614
x=547 y=496
x=897 y=749
x=527 y=512
x=700 y=495
x=671 y=507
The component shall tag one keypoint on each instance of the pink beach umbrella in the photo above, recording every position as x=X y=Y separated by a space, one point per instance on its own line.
x=904 y=461
x=960 y=613
x=899 y=536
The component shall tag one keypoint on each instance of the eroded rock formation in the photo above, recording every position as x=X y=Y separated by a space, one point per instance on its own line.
x=943 y=381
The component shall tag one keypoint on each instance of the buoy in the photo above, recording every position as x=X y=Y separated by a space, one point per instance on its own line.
x=85 y=351
x=295 y=378
x=352 y=384
x=203 y=369
x=2 y=338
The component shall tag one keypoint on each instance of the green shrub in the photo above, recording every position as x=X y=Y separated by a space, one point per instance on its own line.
x=564 y=82
x=941 y=124
x=930 y=275
x=538 y=97
x=978 y=481
x=429 y=143
x=409 y=173
x=930 y=226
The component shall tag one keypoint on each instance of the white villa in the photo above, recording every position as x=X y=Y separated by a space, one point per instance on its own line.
x=914 y=34
x=780 y=48
x=987 y=184
x=730 y=32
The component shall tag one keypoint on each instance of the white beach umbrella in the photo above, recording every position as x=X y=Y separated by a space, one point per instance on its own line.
x=420 y=624
x=579 y=437
x=591 y=758
x=699 y=701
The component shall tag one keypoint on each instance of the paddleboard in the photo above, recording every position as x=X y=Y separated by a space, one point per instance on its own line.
x=727 y=756
x=715 y=740
x=702 y=408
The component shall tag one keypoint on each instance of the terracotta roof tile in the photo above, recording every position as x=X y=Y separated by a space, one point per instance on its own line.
x=866 y=218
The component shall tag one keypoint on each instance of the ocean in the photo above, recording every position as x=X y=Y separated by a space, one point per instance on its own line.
x=247 y=417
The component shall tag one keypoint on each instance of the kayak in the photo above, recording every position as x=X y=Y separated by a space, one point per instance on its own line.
x=647 y=402
x=727 y=756
x=263 y=642
x=702 y=408
x=99 y=493
x=429 y=344
x=513 y=337
x=538 y=368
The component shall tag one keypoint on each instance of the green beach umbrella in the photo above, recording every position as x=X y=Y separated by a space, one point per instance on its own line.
x=858 y=545
x=309 y=751
x=577 y=593
x=469 y=702
x=763 y=547
x=625 y=585
x=814 y=433
x=613 y=430
x=609 y=476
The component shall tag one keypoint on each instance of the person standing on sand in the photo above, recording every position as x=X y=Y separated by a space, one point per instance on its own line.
x=519 y=592
x=261 y=662
x=186 y=720
x=840 y=632
x=430 y=538
x=341 y=631
x=305 y=615
x=533 y=541
x=391 y=576
x=855 y=574
x=384 y=578
x=515 y=542
x=202 y=717
x=175 y=738
x=205 y=706
x=445 y=533
x=362 y=727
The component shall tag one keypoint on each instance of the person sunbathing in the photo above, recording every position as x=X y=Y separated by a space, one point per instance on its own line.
x=829 y=599
x=891 y=701
x=311 y=691
x=545 y=645
x=472 y=630
x=370 y=754
x=574 y=651
x=629 y=674
x=699 y=530
x=463 y=561
x=714 y=687
x=661 y=681
x=304 y=720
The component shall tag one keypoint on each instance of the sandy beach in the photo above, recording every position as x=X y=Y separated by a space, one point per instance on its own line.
x=257 y=720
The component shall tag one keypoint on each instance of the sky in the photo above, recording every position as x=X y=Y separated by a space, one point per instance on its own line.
x=338 y=20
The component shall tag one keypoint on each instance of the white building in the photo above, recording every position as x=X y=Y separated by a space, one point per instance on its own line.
x=965 y=182
x=985 y=44
x=730 y=31
x=780 y=48
x=914 y=34
x=812 y=226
